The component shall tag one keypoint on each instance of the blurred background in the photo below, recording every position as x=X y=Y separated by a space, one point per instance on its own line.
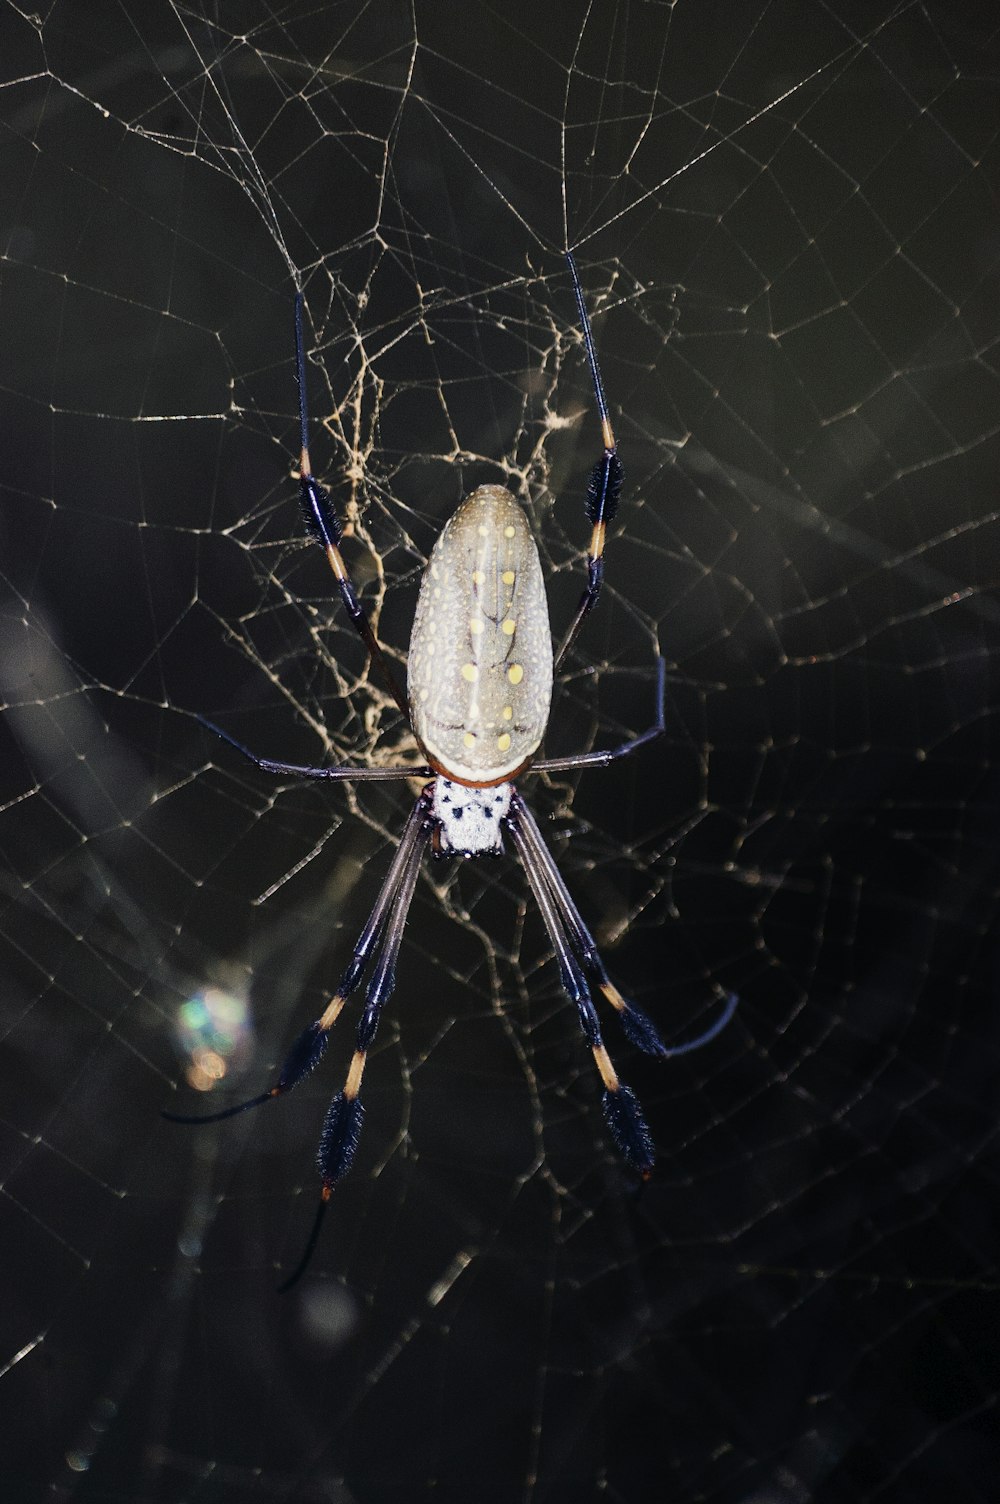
x=785 y=221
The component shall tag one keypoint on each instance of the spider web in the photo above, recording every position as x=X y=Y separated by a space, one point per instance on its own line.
x=785 y=222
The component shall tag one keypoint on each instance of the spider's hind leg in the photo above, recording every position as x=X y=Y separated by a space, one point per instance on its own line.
x=605 y=483
x=325 y=528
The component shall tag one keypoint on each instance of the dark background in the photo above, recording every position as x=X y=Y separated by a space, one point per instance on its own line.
x=786 y=227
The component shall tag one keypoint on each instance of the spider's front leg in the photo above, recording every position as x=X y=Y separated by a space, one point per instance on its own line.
x=622 y=1112
x=338 y=1141
x=637 y=1027
x=310 y=1046
x=572 y=939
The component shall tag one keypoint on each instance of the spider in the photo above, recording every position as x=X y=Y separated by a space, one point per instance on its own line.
x=479 y=681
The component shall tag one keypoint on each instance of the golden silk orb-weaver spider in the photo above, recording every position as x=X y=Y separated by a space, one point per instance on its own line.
x=479 y=688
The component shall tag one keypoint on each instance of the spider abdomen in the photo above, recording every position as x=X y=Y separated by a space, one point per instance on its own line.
x=479 y=676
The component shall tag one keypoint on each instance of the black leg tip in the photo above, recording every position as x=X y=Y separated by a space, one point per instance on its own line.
x=629 y=1131
x=338 y=1141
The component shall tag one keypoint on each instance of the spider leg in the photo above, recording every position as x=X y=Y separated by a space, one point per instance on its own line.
x=325 y=528
x=639 y=1029
x=605 y=481
x=330 y=774
x=602 y=759
x=621 y=1107
x=310 y=1046
x=342 y=1126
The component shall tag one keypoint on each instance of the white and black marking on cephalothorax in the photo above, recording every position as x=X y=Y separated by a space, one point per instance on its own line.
x=479 y=687
x=468 y=818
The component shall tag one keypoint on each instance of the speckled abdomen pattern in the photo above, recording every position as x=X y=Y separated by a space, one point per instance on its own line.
x=479 y=676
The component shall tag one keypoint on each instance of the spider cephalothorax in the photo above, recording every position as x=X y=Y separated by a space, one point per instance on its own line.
x=468 y=818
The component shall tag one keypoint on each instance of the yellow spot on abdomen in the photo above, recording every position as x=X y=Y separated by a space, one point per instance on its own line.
x=508 y=531
x=515 y=673
x=478 y=577
x=503 y=742
x=470 y=673
x=507 y=577
x=509 y=627
x=468 y=739
x=508 y=711
x=475 y=626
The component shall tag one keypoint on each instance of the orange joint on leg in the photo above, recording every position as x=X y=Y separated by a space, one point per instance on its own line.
x=605 y=1067
x=614 y=997
x=607 y=433
x=597 y=540
x=336 y=562
x=331 y=1012
x=353 y=1083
